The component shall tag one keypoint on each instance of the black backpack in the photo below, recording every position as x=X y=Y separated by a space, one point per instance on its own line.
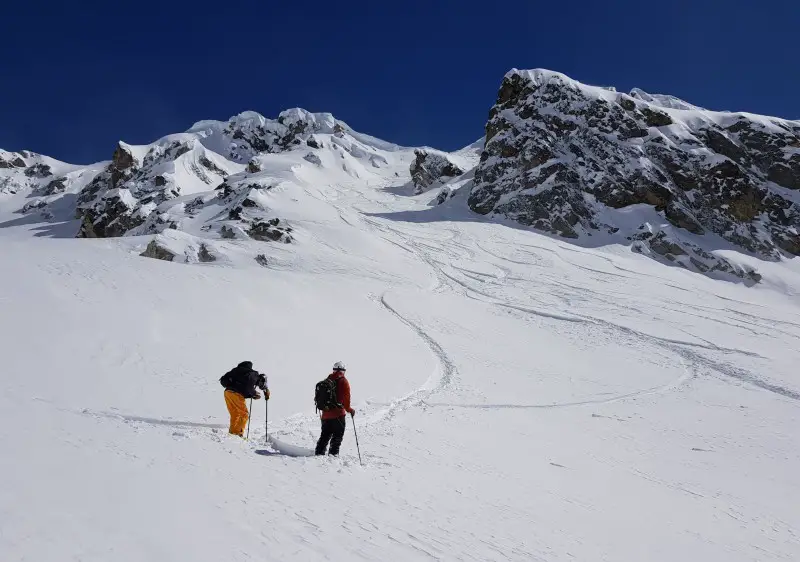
x=226 y=380
x=325 y=397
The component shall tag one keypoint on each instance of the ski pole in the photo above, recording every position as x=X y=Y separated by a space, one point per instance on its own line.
x=249 y=417
x=352 y=417
x=266 y=410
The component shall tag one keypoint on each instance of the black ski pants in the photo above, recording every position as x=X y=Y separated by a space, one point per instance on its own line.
x=333 y=431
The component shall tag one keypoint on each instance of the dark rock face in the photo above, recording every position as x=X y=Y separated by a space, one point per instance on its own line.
x=127 y=193
x=227 y=233
x=270 y=231
x=663 y=246
x=121 y=164
x=313 y=158
x=58 y=185
x=444 y=194
x=681 y=218
x=786 y=174
x=209 y=165
x=113 y=215
x=253 y=166
x=154 y=250
x=688 y=255
x=204 y=255
x=558 y=152
x=430 y=167
x=35 y=205
x=38 y=171
x=109 y=205
x=252 y=134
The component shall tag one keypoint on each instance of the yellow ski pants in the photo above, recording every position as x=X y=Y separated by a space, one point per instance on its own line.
x=237 y=407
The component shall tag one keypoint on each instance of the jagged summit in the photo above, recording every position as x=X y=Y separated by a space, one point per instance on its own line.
x=217 y=180
x=651 y=171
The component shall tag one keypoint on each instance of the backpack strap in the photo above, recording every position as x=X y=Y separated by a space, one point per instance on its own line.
x=336 y=383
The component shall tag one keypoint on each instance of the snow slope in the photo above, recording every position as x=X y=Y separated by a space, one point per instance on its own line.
x=519 y=396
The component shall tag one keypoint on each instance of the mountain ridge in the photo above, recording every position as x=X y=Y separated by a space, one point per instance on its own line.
x=558 y=156
x=568 y=158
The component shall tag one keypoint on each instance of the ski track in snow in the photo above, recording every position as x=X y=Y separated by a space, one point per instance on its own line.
x=153 y=421
x=442 y=378
x=443 y=279
x=666 y=343
x=673 y=385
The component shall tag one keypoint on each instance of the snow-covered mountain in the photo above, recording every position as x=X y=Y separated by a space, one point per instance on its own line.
x=217 y=181
x=674 y=180
x=520 y=395
x=682 y=184
x=217 y=176
x=42 y=179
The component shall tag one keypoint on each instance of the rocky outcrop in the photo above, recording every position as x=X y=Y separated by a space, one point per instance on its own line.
x=43 y=176
x=253 y=167
x=122 y=164
x=445 y=193
x=38 y=170
x=270 y=231
x=431 y=167
x=156 y=251
x=227 y=233
x=112 y=214
x=668 y=246
x=215 y=178
x=313 y=159
x=128 y=194
x=562 y=157
x=249 y=133
x=204 y=255
x=140 y=190
x=32 y=206
x=16 y=163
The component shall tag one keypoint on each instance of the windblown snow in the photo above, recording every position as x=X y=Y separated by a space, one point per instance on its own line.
x=519 y=396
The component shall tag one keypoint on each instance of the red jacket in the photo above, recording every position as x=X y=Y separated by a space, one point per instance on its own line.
x=342 y=394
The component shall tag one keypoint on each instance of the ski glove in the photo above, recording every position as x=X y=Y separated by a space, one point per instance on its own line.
x=257 y=396
x=266 y=393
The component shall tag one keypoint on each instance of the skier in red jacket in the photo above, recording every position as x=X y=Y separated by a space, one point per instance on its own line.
x=334 y=419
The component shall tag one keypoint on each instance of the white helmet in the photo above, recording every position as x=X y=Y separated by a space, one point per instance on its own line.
x=339 y=366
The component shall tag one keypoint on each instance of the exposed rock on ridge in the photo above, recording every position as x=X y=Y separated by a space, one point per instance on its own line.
x=431 y=167
x=561 y=156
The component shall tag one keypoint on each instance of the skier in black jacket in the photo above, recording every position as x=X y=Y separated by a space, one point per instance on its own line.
x=240 y=383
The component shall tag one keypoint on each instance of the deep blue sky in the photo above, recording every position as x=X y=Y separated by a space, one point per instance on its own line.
x=74 y=80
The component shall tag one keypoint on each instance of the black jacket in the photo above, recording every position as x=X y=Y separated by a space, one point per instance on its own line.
x=244 y=380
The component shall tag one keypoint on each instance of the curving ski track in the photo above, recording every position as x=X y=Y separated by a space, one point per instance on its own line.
x=442 y=377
